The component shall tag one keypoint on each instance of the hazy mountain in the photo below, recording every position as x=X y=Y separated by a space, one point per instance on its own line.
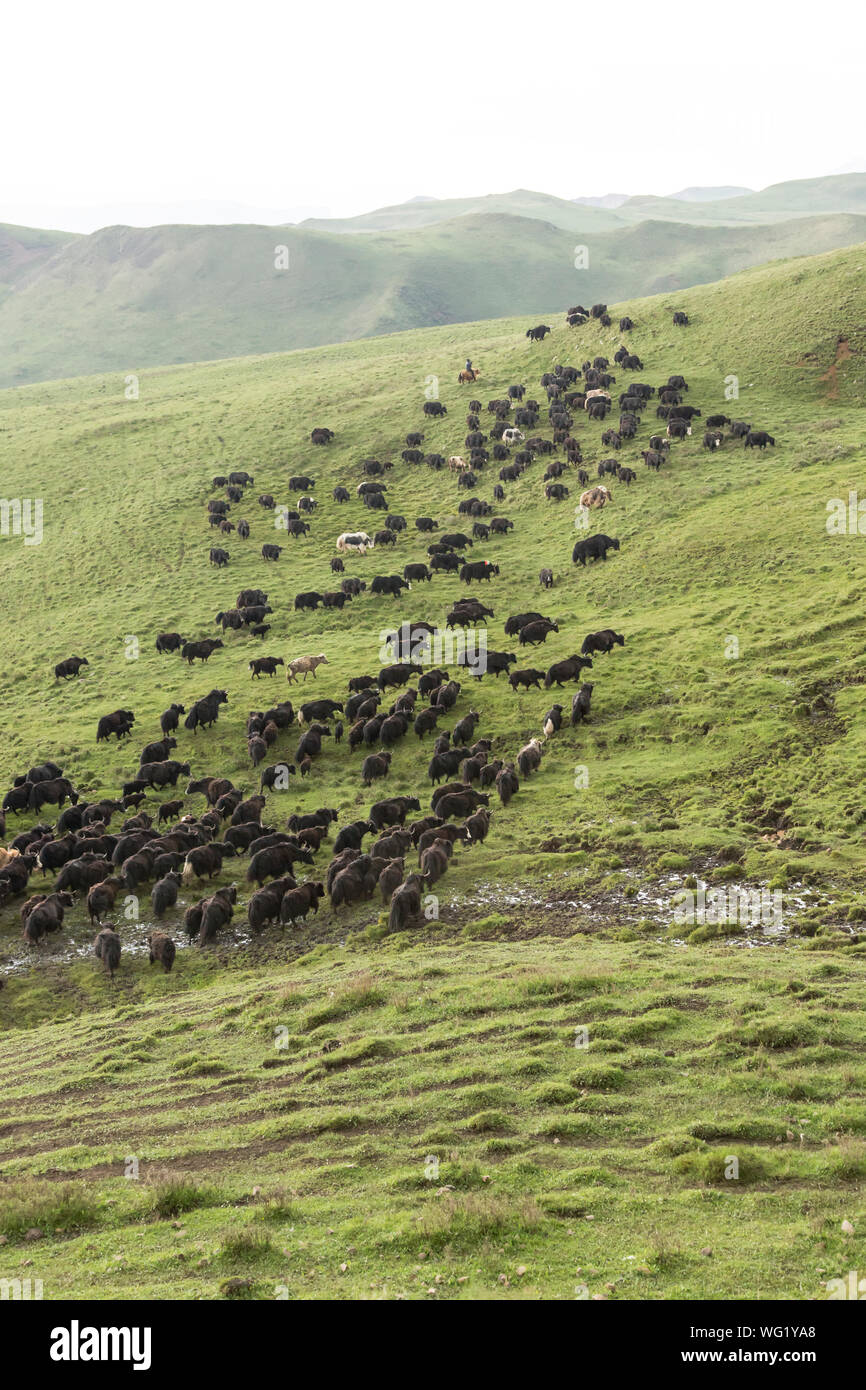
x=841 y=193
x=709 y=195
x=141 y=214
x=520 y=202
x=123 y=298
x=607 y=200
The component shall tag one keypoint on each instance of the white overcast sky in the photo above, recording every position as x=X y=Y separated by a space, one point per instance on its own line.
x=338 y=108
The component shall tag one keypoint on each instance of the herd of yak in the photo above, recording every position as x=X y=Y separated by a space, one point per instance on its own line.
x=176 y=847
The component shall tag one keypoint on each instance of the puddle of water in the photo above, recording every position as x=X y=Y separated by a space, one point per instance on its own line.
x=76 y=942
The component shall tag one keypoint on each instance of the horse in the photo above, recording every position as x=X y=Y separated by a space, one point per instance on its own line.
x=472 y=375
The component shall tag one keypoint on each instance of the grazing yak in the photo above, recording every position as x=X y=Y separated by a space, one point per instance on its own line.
x=205 y=711
x=275 y=860
x=215 y=912
x=264 y=905
x=580 y=704
x=391 y=584
x=355 y=541
x=390 y=878
x=157 y=752
x=527 y=678
x=476 y=569
x=603 y=641
x=319 y=709
x=162 y=774
x=70 y=667
x=400 y=673
x=519 y=620
x=107 y=949
x=507 y=783
x=43 y=914
x=201 y=651
x=417 y=573
x=375 y=766
x=552 y=721
x=477 y=826
x=758 y=439
x=53 y=792
x=353 y=882
x=433 y=860
x=162 y=949
x=529 y=757
x=164 y=894
x=595 y=497
x=353 y=587
x=265 y=665
x=101 y=896
x=567 y=670
x=593 y=548
x=119 y=723
x=405 y=903
x=297 y=902
x=536 y=632
x=305 y=665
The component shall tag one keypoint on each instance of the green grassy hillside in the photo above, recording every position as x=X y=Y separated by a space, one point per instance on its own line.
x=598 y=1167
x=127 y=298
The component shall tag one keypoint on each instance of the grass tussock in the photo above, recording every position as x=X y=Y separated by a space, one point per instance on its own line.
x=30 y=1204
x=169 y=1197
x=244 y=1247
x=468 y=1220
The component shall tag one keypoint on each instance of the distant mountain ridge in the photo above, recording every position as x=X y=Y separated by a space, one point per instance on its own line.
x=607 y=200
x=839 y=193
x=710 y=195
x=125 y=298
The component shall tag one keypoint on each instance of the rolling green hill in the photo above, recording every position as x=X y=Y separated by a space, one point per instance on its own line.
x=124 y=299
x=836 y=193
x=336 y=1111
x=522 y=202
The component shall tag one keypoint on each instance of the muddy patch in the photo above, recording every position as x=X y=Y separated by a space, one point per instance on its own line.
x=831 y=376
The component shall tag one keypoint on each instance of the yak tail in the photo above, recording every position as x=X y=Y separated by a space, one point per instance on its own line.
x=188 y=874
